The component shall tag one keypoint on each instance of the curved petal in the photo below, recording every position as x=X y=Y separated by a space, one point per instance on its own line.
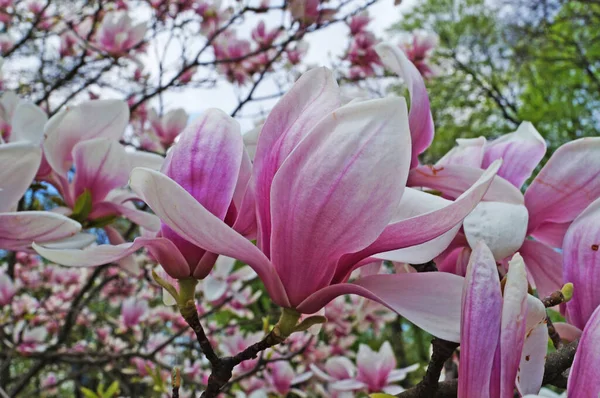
x=325 y=201
x=28 y=123
x=567 y=184
x=127 y=263
x=533 y=359
x=520 y=151
x=19 y=229
x=420 y=119
x=453 y=180
x=144 y=219
x=567 y=332
x=551 y=233
x=467 y=152
x=145 y=159
x=88 y=120
x=72 y=242
x=315 y=95
x=584 y=377
x=429 y=300
x=480 y=323
x=581 y=258
x=19 y=163
x=544 y=265
x=204 y=229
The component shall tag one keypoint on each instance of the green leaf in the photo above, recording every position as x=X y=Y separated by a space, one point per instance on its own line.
x=83 y=206
x=89 y=393
x=112 y=390
x=381 y=395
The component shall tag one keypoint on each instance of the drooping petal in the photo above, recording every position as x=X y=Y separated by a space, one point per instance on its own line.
x=502 y=226
x=581 y=256
x=584 y=377
x=567 y=184
x=28 y=123
x=512 y=333
x=324 y=200
x=566 y=331
x=19 y=163
x=420 y=119
x=88 y=120
x=77 y=241
x=315 y=95
x=521 y=152
x=544 y=265
x=453 y=180
x=480 y=323
x=467 y=152
x=429 y=300
x=100 y=166
x=533 y=357
x=19 y=229
x=204 y=229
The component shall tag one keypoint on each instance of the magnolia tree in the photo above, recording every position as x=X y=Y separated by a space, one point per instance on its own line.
x=290 y=260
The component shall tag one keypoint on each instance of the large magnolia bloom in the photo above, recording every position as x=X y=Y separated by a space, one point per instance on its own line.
x=329 y=190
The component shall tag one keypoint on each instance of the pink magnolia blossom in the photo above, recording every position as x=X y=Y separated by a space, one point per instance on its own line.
x=362 y=53
x=223 y=280
x=263 y=37
x=310 y=11
x=584 y=377
x=169 y=126
x=419 y=49
x=117 y=35
x=132 y=311
x=213 y=15
x=7 y=289
x=295 y=54
x=20 y=120
x=555 y=197
x=503 y=332
x=358 y=23
x=281 y=378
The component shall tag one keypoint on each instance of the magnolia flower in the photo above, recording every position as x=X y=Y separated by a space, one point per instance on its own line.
x=336 y=370
x=564 y=187
x=419 y=48
x=281 y=378
x=20 y=121
x=169 y=126
x=358 y=22
x=503 y=332
x=584 y=377
x=132 y=311
x=7 y=289
x=222 y=279
x=263 y=37
x=117 y=34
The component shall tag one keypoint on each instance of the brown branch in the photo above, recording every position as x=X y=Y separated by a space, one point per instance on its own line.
x=442 y=351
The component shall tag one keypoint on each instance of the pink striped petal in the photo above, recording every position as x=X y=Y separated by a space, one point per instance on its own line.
x=429 y=300
x=453 y=180
x=584 y=377
x=581 y=256
x=420 y=119
x=551 y=233
x=203 y=229
x=314 y=96
x=19 y=229
x=567 y=184
x=244 y=199
x=100 y=166
x=513 y=329
x=88 y=120
x=521 y=152
x=467 y=152
x=19 y=163
x=544 y=266
x=480 y=323
x=325 y=201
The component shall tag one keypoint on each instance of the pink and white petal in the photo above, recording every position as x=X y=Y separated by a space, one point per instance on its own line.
x=77 y=241
x=88 y=120
x=251 y=140
x=544 y=266
x=551 y=233
x=533 y=359
x=100 y=166
x=567 y=184
x=144 y=159
x=420 y=119
x=581 y=259
x=144 y=219
x=502 y=226
x=584 y=377
x=320 y=374
x=429 y=300
x=206 y=160
x=480 y=323
x=467 y=152
x=28 y=123
x=400 y=374
x=453 y=180
x=392 y=390
x=324 y=201
x=340 y=368
x=205 y=229
x=213 y=288
x=347 y=385
x=520 y=151
x=567 y=332
x=314 y=96
x=514 y=316
x=19 y=229
x=244 y=199
x=127 y=263
x=19 y=163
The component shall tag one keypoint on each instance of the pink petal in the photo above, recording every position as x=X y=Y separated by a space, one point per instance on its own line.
x=28 y=123
x=19 y=163
x=581 y=258
x=311 y=98
x=127 y=263
x=521 y=152
x=420 y=119
x=100 y=166
x=19 y=229
x=467 y=152
x=480 y=323
x=88 y=120
x=145 y=159
x=535 y=347
x=512 y=333
x=429 y=300
x=324 y=201
x=584 y=377
x=567 y=184
x=544 y=265
x=567 y=332
x=453 y=180
x=244 y=199
x=204 y=229
x=551 y=233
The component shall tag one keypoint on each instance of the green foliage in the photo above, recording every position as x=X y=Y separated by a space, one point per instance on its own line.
x=111 y=392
